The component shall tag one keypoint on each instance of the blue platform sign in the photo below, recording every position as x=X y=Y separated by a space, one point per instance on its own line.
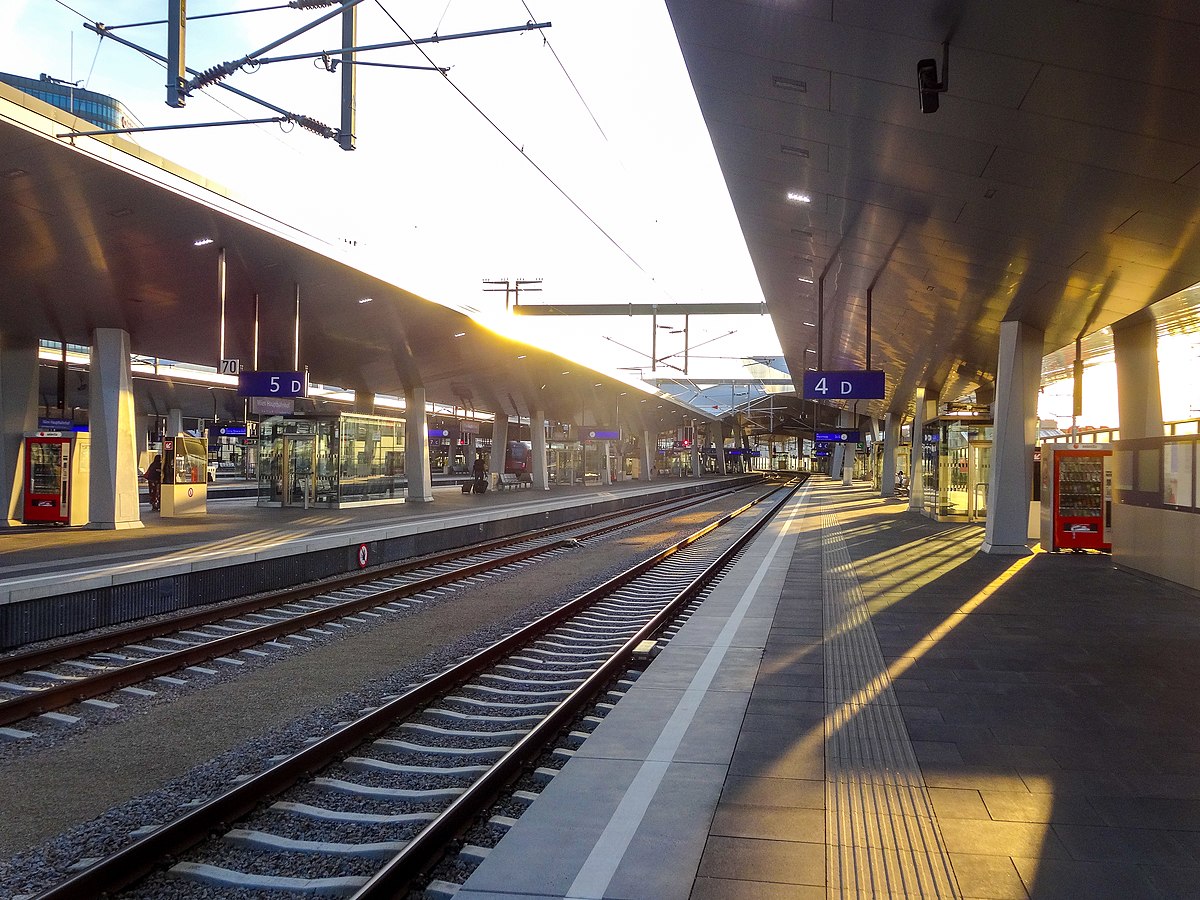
x=847 y=385
x=273 y=384
x=838 y=437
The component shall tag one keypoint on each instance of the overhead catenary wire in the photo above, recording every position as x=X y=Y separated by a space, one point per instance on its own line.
x=570 y=80
x=518 y=148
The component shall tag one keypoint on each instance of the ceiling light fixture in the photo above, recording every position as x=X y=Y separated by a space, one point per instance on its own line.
x=805 y=280
x=121 y=213
x=13 y=173
x=809 y=324
x=797 y=197
x=790 y=84
x=793 y=151
x=460 y=334
x=522 y=356
x=365 y=299
x=202 y=242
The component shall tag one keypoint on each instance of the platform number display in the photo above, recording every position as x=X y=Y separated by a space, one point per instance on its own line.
x=272 y=384
x=231 y=367
x=844 y=385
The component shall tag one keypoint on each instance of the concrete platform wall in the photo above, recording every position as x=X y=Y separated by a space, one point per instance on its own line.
x=1160 y=542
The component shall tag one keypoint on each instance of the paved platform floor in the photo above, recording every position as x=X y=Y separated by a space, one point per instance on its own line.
x=869 y=707
x=45 y=560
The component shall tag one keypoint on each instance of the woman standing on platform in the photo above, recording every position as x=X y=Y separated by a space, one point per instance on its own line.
x=154 y=480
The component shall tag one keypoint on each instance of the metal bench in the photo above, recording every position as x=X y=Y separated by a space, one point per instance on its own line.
x=512 y=480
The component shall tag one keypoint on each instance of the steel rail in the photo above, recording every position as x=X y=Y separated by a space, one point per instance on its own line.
x=136 y=860
x=428 y=845
x=33 y=659
x=57 y=696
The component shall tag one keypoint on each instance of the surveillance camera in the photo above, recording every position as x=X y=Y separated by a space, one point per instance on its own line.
x=927 y=85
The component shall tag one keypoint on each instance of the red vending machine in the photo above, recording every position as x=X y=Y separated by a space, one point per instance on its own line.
x=57 y=466
x=1076 y=498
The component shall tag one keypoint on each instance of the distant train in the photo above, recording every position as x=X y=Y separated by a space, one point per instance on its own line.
x=518 y=458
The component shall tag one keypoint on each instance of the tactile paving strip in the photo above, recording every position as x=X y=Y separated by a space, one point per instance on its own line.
x=883 y=838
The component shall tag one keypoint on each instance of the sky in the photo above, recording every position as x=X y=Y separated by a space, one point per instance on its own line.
x=574 y=154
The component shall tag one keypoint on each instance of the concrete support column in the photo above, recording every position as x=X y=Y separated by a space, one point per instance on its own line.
x=916 y=481
x=499 y=446
x=18 y=415
x=416 y=448
x=537 y=435
x=891 y=438
x=722 y=469
x=174 y=423
x=1139 y=396
x=1018 y=376
x=648 y=449
x=696 y=473
x=145 y=425
x=113 y=486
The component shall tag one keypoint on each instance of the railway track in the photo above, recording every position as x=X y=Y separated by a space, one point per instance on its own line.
x=367 y=810
x=39 y=682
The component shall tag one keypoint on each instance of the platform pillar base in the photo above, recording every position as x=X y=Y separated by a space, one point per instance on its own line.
x=1006 y=549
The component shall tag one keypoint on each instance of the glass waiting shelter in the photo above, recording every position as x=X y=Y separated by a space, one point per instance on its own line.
x=956 y=464
x=330 y=461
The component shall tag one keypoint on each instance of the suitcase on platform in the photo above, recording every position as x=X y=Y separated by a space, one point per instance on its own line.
x=467 y=487
x=481 y=487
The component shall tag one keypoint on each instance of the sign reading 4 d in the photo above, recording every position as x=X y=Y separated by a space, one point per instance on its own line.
x=273 y=384
x=850 y=385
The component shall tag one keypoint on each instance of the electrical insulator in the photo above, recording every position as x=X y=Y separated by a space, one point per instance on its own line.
x=311 y=124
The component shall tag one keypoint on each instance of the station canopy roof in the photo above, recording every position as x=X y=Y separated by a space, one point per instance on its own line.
x=1057 y=184
x=99 y=233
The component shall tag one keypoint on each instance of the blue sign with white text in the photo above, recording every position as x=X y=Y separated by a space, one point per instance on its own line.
x=847 y=385
x=838 y=437
x=273 y=384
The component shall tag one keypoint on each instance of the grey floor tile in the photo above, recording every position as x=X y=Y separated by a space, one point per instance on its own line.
x=1002 y=838
x=727 y=889
x=991 y=877
x=1022 y=806
x=951 y=803
x=772 y=823
x=786 y=862
x=1064 y=879
x=770 y=792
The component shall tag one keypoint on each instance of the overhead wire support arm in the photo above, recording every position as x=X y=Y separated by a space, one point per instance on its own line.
x=284 y=115
x=75 y=134
x=390 y=45
x=224 y=70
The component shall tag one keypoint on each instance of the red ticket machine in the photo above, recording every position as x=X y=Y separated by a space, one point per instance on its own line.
x=57 y=466
x=1076 y=498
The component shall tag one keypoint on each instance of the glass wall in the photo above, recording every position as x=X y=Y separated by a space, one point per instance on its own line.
x=330 y=461
x=956 y=462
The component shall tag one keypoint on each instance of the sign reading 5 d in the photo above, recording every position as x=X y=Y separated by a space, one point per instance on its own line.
x=849 y=385
x=273 y=384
